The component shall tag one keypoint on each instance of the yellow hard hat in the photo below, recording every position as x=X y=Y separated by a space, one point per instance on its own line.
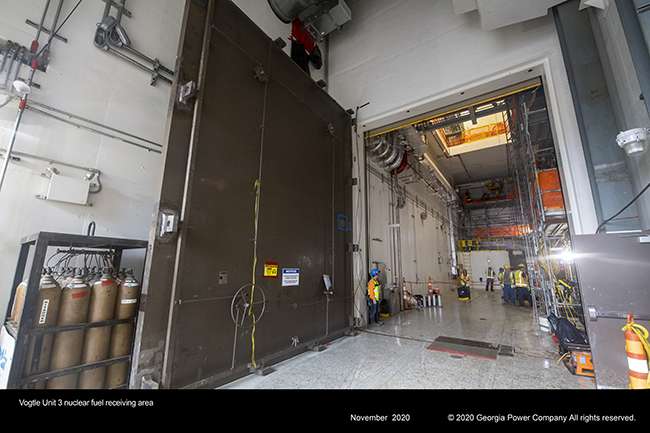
x=506 y=266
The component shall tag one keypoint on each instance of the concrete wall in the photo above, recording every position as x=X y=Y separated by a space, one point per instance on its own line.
x=86 y=81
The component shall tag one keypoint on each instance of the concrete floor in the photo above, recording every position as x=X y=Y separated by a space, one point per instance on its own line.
x=396 y=355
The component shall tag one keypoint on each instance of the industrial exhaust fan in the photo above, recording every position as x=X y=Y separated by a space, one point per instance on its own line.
x=319 y=17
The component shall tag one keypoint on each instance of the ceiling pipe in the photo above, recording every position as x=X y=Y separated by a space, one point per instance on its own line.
x=415 y=140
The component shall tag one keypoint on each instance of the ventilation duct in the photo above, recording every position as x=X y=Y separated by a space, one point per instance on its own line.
x=319 y=17
x=387 y=151
x=288 y=10
x=415 y=141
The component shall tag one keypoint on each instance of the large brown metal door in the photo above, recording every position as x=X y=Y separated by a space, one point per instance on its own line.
x=254 y=205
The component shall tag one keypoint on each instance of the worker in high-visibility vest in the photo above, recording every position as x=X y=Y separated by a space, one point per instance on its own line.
x=489 y=276
x=520 y=283
x=463 y=290
x=373 y=295
x=505 y=276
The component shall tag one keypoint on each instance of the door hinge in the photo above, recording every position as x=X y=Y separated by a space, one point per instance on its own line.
x=168 y=223
x=186 y=92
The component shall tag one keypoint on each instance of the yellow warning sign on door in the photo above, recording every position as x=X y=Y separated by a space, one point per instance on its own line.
x=270 y=270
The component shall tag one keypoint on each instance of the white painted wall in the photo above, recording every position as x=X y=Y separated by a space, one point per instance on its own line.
x=85 y=81
x=421 y=241
x=478 y=262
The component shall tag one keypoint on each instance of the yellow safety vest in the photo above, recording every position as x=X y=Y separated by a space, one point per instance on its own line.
x=464 y=280
x=519 y=278
x=373 y=290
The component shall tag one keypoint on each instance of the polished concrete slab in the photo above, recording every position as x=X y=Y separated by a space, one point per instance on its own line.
x=397 y=355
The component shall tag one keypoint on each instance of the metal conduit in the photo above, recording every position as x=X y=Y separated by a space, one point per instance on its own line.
x=87 y=128
x=74 y=116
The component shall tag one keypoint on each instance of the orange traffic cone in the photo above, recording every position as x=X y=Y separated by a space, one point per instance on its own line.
x=637 y=361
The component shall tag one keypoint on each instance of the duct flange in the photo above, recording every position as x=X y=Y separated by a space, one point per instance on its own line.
x=319 y=17
x=288 y=10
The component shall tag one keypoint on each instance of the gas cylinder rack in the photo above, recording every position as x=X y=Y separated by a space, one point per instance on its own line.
x=26 y=332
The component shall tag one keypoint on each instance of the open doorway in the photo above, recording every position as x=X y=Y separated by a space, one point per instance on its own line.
x=493 y=161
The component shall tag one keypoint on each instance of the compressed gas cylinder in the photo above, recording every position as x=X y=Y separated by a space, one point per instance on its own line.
x=19 y=300
x=96 y=340
x=45 y=316
x=122 y=334
x=66 y=349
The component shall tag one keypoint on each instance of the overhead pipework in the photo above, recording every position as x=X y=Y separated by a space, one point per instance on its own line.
x=111 y=37
x=414 y=139
x=388 y=150
x=319 y=17
x=395 y=151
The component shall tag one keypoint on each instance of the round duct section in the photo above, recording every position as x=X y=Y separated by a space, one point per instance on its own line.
x=388 y=151
x=288 y=10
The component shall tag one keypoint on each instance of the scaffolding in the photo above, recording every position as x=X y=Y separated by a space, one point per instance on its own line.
x=540 y=214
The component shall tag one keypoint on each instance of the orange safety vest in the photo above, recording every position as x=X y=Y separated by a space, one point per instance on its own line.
x=373 y=290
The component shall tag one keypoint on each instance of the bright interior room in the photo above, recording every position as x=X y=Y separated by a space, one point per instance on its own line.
x=324 y=194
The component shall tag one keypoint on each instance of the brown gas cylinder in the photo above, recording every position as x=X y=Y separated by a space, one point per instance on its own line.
x=19 y=300
x=45 y=315
x=66 y=349
x=96 y=340
x=122 y=334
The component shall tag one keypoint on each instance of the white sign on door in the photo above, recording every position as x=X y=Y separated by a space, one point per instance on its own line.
x=290 y=277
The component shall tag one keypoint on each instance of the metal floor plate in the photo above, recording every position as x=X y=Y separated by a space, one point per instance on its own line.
x=461 y=346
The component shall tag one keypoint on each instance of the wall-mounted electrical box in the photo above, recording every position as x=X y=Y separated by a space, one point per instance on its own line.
x=68 y=190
